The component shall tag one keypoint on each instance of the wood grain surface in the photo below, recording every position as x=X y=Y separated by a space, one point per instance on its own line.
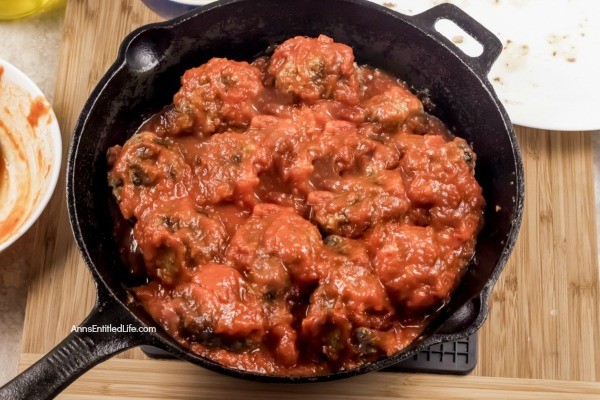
x=162 y=380
x=544 y=321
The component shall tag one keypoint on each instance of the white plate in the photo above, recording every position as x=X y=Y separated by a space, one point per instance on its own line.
x=548 y=75
x=31 y=146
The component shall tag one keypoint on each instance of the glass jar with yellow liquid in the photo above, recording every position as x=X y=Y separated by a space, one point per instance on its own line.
x=13 y=9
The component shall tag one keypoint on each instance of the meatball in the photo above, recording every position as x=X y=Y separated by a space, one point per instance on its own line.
x=214 y=308
x=145 y=170
x=314 y=69
x=416 y=271
x=174 y=238
x=428 y=162
x=277 y=251
x=354 y=203
x=226 y=166
x=340 y=148
x=341 y=144
x=351 y=297
x=276 y=248
x=393 y=107
x=286 y=141
x=351 y=281
x=219 y=95
x=439 y=176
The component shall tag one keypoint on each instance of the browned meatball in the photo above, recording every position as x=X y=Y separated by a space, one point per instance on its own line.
x=439 y=176
x=428 y=162
x=354 y=203
x=226 y=166
x=147 y=169
x=417 y=272
x=219 y=94
x=287 y=142
x=174 y=238
x=340 y=148
x=391 y=108
x=273 y=243
x=314 y=69
x=277 y=251
x=351 y=297
x=214 y=308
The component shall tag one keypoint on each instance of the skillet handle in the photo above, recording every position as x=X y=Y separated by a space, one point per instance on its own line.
x=492 y=47
x=465 y=321
x=76 y=354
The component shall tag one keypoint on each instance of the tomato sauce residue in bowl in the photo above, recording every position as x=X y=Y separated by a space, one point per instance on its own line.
x=26 y=153
x=295 y=216
x=38 y=109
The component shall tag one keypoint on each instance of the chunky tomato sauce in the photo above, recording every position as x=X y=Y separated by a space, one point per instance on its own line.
x=298 y=215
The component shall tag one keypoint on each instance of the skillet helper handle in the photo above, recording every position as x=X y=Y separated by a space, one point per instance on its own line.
x=465 y=321
x=492 y=47
x=76 y=354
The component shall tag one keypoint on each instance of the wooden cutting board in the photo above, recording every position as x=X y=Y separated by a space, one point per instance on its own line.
x=545 y=313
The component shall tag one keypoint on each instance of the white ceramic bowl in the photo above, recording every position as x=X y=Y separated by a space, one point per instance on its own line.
x=30 y=153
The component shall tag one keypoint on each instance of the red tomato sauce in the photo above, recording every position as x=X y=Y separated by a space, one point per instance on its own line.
x=298 y=215
x=37 y=109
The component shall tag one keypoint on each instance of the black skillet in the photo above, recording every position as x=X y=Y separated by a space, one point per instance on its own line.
x=146 y=75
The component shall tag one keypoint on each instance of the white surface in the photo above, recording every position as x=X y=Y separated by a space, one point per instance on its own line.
x=47 y=142
x=547 y=76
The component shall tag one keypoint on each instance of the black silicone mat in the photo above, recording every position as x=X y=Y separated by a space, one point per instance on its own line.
x=455 y=358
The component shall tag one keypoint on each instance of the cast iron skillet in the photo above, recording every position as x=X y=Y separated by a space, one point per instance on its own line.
x=144 y=78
